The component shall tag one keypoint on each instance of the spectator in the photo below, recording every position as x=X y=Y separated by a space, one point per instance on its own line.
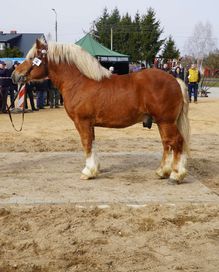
x=193 y=76
x=3 y=87
x=142 y=66
x=179 y=72
x=29 y=92
x=61 y=100
x=166 y=68
x=111 y=69
x=156 y=63
x=41 y=92
x=53 y=95
x=12 y=87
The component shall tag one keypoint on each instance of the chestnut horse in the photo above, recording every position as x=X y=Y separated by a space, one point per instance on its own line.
x=94 y=97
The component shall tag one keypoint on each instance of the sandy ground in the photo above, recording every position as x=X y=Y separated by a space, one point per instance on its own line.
x=127 y=219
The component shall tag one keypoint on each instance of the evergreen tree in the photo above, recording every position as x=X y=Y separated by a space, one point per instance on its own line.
x=103 y=29
x=150 y=37
x=139 y=38
x=124 y=33
x=135 y=43
x=13 y=52
x=114 y=17
x=114 y=22
x=170 y=51
x=107 y=23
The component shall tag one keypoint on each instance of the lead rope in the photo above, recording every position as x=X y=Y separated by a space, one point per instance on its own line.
x=9 y=113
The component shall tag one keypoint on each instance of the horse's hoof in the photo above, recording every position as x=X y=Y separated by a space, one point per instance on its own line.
x=84 y=177
x=177 y=178
x=161 y=174
x=173 y=181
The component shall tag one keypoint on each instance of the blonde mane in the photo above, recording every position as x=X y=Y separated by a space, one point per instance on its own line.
x=74 y=54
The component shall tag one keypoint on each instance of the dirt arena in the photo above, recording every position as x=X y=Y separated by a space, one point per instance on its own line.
x=126 y=220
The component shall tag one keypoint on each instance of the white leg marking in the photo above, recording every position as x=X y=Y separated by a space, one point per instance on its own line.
x=182 y=163
x=179 y=176
x=165 y=170
x=92 y=166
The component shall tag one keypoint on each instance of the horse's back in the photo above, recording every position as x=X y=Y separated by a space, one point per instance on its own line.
x=155 y=79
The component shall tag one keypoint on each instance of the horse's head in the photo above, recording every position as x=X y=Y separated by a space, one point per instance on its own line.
x=35 y=65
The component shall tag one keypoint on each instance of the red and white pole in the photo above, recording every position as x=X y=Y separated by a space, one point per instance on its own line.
x=21 y=96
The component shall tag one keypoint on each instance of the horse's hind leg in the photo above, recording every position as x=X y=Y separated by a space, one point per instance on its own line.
x=86 y=132
x=165 y=168
x=173 y=161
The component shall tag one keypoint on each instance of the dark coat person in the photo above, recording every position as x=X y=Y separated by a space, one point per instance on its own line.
x=3 y=87
x=179 y=72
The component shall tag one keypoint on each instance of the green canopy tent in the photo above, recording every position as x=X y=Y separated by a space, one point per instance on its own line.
x=105 y=56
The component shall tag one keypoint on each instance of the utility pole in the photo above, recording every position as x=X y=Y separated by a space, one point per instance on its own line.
x=56 y=24
x=111 y=38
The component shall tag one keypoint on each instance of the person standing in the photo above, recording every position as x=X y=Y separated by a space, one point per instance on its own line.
x=53 y=95
x=13 y=88
x=3 y=87
x=166 y=68
x=193 y=77
x=29 y=92
x=179 y=72
x=111 y=69
x=41 y=87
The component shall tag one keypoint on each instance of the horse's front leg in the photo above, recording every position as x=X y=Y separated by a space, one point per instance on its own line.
x=86 y=131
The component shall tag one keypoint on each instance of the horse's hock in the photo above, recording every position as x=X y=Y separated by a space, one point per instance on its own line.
x=129 y=178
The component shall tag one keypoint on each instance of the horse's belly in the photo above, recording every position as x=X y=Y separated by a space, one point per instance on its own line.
x=120 y=120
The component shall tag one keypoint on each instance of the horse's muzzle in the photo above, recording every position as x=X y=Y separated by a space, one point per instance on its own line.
x=18 y=78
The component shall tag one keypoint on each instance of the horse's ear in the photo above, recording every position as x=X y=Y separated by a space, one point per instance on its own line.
x=41 y=44
x=38 y=44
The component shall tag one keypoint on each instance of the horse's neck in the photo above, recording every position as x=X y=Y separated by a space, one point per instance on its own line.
x=62 y=74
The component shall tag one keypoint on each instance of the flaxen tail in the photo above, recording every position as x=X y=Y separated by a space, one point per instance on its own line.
x=183 y=120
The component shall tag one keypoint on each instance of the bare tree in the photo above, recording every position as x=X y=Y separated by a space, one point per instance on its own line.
x=201 y=43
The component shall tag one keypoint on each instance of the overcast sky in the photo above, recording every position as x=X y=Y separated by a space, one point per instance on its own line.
x=178 y=18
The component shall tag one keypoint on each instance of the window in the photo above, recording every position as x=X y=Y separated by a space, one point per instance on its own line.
x=2 y=46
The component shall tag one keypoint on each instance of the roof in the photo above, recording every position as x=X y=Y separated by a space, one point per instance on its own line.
x=96 y=49
x=8 y=37
x=27 y=41
x=23 y=41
